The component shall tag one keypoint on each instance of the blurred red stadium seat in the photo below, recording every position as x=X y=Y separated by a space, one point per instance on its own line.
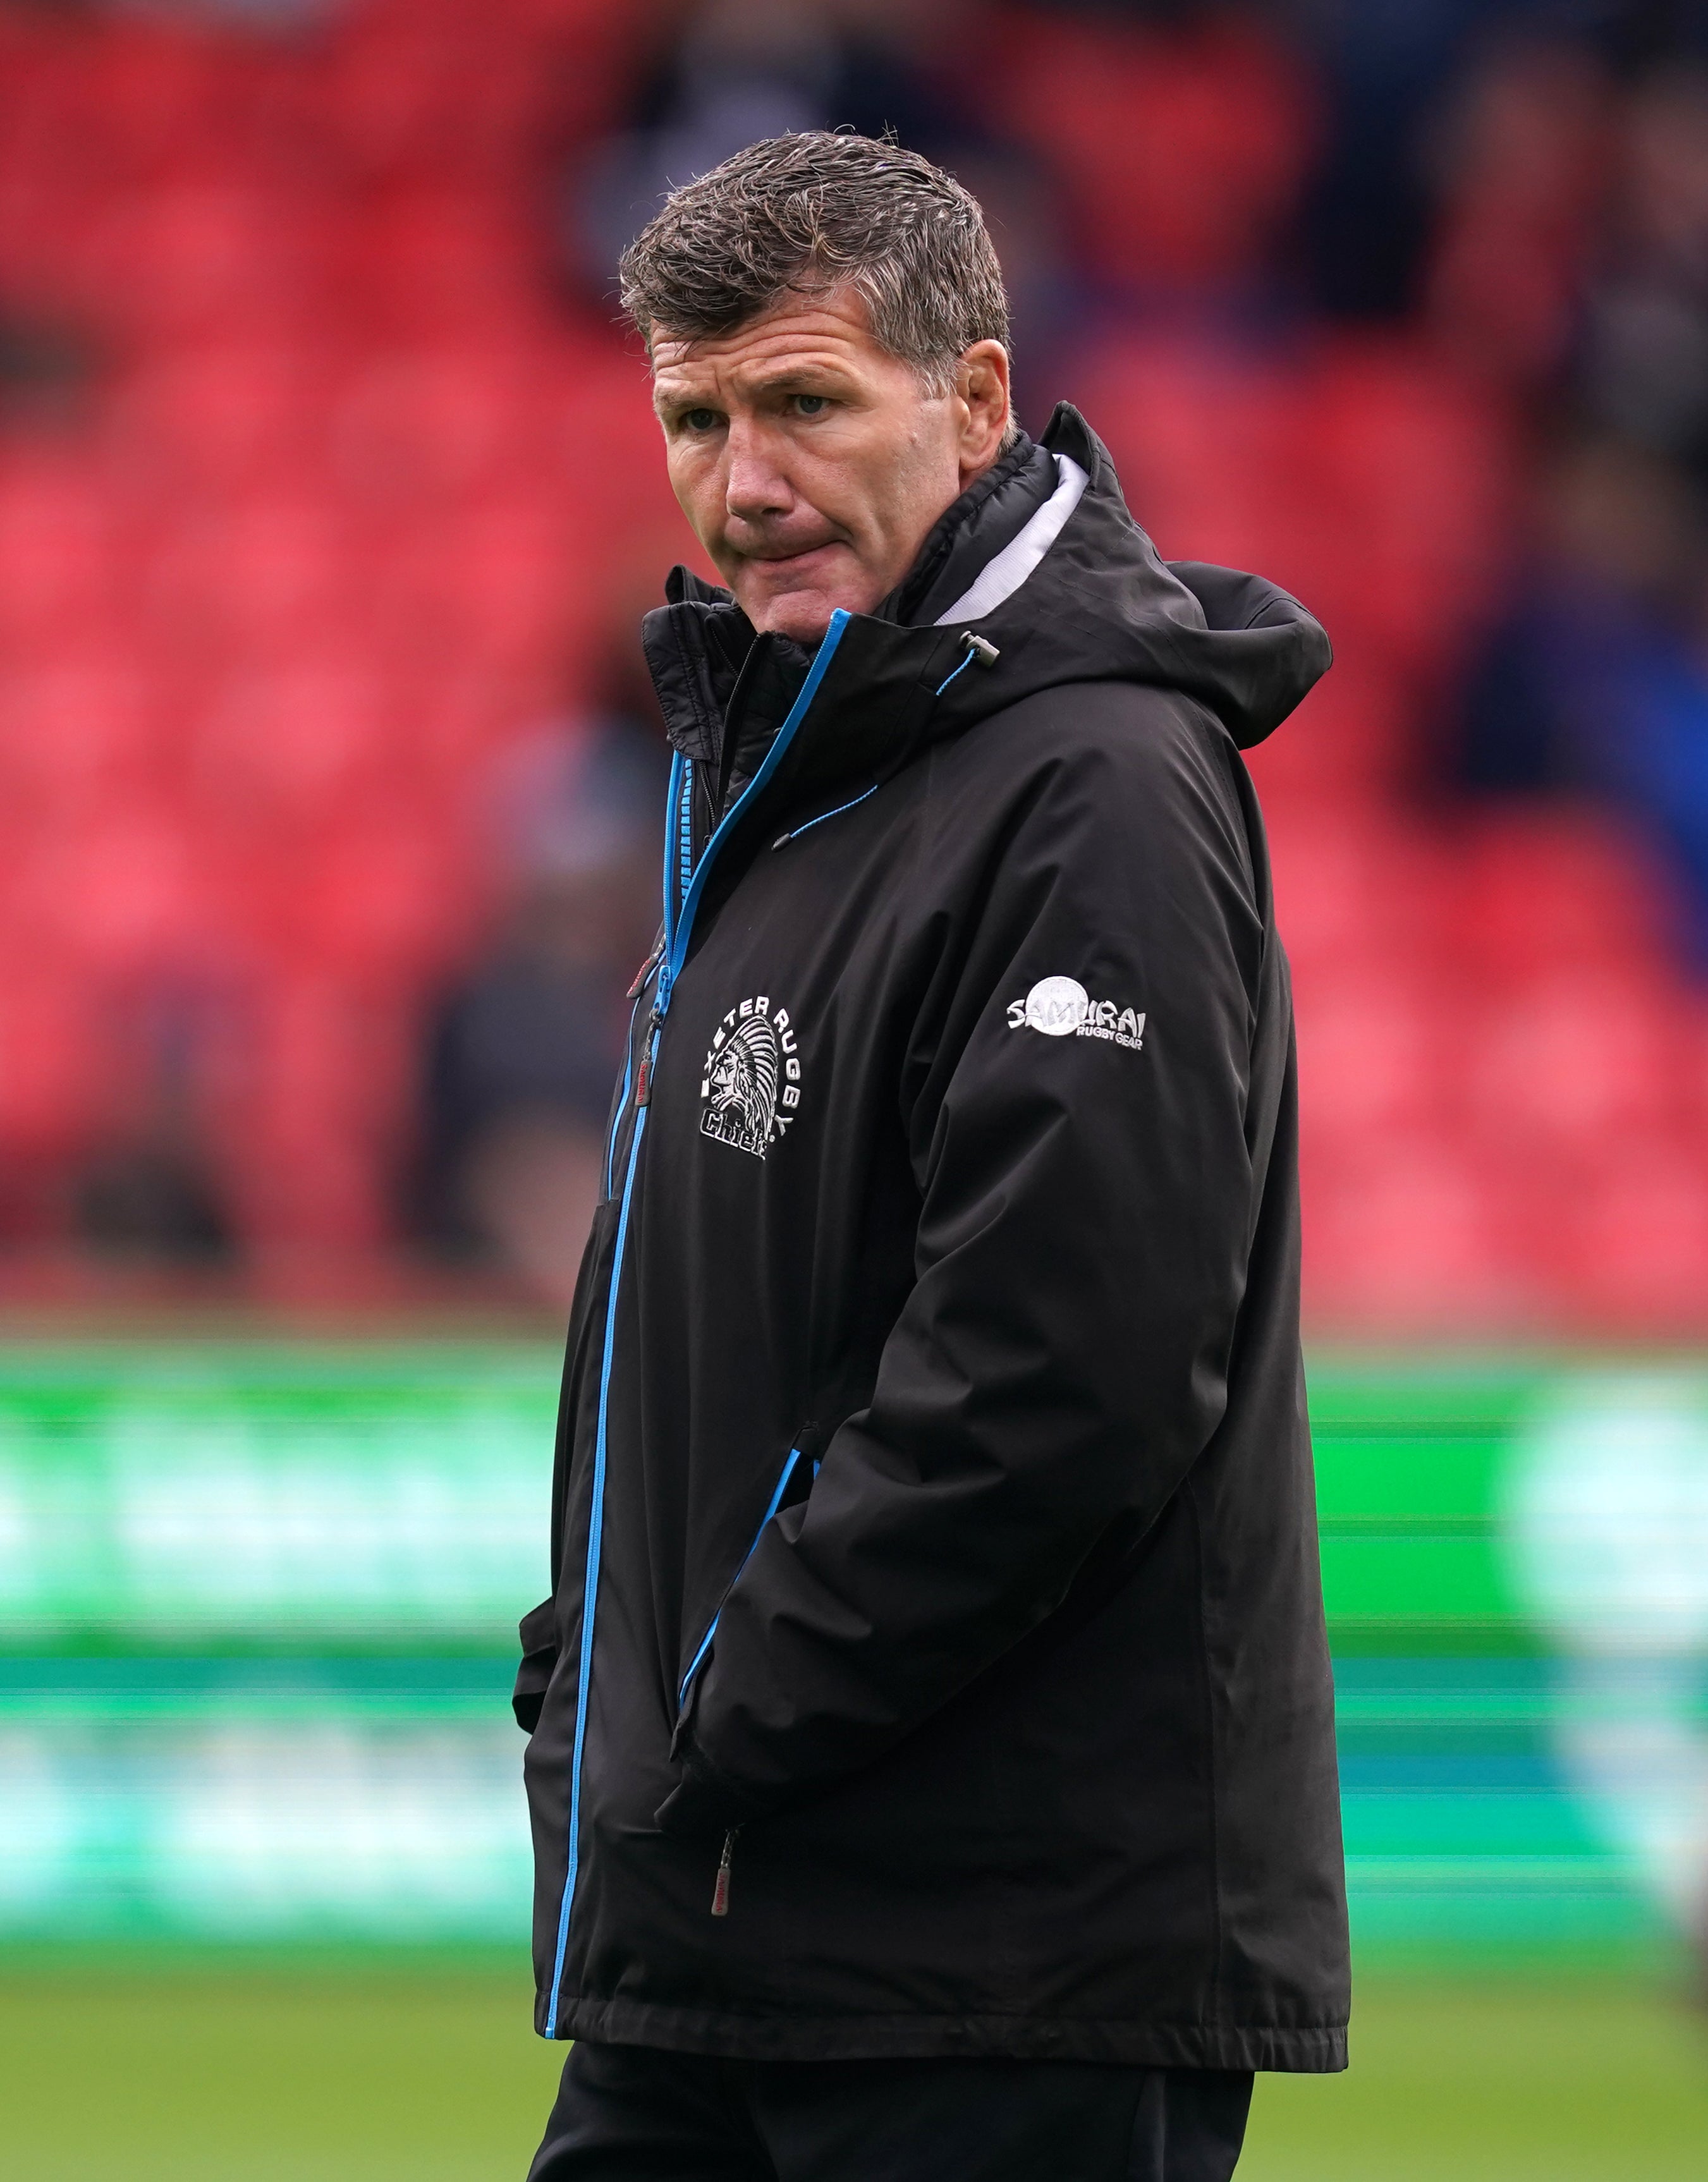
x=148 y=96
x=1583 y=1063
x=1412 y=470
x=210 y=258
x=285 y=747
x=1358 y=888
x=431 y=425
x=49 y=1053
x=225 y=417
x=1180 y=147
x=1377 y=1055
x=124 y=887
x=434 y=264
x=1198 y=436
x=59 y=550
x=1410 y=1238
x=496 y=587
x=1555 y=887
x=267 y=579
x=384 y=897
x=44 y=222
x=75 y=734
x=302 y=1124
x=413 y=96
x=1631 y=1244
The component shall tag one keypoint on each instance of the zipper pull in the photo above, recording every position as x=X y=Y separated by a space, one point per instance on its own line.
x=720 y=1888
x=646 y=970
x=655 y=1021
x=643 y=1082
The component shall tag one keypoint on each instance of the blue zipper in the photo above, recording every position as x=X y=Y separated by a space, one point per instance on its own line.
x=773 y=757
x=694 y=1664
x=685 y=830
x=678 y=930
x=590 y=1592
x=627 y=1078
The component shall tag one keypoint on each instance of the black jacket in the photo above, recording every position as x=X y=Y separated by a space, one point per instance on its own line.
x=933 y=1537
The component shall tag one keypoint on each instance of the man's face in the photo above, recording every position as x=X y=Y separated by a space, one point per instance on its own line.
x=811 y=463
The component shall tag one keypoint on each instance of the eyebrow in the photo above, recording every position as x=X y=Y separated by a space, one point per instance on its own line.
x=780 y=381
x=785 y=379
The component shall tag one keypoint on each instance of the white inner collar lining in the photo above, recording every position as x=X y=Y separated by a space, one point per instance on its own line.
x=1003 y=574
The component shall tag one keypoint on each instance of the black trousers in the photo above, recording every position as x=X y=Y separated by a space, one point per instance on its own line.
x=632 y=2113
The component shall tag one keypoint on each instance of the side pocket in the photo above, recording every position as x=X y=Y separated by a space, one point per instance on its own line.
x=794 y=1470
x=538 y=1629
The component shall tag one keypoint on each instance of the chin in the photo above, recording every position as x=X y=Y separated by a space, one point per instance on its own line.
x=806 y=622
x=803 y=616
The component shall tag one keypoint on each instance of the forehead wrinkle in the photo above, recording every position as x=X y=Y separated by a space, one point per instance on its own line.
x=792 y=345
x=751 y=380
x=759 y=380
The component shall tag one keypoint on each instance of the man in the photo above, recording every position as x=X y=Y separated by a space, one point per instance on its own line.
x=932 y=1769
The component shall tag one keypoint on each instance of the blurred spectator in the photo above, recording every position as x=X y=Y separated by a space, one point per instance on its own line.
x=1520 y=164
x=1181 y=142
x=1385 y=74
x=47 y=373
x=152 y=1201
x=1574 y=264
x=147 y=1191
x=737 y=70
x=1598 y=678
x=724 y=75
x=1644 y=372
x=523 y=1053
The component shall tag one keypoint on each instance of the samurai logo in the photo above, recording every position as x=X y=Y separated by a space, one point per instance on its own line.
x=1061 y=1007
x=751 y=1084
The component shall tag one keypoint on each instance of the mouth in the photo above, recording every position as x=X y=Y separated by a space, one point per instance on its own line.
x=773 y=567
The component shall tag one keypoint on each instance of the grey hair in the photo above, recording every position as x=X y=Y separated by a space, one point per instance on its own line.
x=812 y=211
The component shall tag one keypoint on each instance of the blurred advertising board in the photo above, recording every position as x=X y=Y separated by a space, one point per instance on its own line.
x=257 y=1608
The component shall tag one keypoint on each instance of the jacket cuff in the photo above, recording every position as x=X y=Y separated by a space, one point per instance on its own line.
x=704 y=1804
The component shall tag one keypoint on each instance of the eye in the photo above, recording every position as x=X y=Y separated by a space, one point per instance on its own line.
x=699 y=420
x=811 y=405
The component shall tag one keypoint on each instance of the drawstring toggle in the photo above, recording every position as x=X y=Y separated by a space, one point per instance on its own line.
x=978 y=647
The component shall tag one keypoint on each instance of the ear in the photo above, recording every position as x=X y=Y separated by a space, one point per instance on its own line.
x=981 y=380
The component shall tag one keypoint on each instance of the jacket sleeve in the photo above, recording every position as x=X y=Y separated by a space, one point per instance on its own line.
x=1087 y=1207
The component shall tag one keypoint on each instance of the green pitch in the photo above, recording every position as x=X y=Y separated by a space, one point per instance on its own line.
x=1570 y=2080
x=178 y=2073
x=428 y=2072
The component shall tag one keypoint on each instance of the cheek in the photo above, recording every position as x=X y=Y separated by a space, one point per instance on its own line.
x=875 y=489
x=924 y=480
x=696 y=480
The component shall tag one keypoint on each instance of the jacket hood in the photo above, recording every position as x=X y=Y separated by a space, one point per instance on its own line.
x=1042 y=560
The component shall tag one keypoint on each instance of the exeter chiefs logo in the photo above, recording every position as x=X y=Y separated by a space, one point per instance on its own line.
x=751 y=1084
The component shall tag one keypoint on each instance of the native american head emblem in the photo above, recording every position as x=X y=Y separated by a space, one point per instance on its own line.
x=739 y=1090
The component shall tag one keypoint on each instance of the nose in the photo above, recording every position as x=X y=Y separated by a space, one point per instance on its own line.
x=756 y=491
